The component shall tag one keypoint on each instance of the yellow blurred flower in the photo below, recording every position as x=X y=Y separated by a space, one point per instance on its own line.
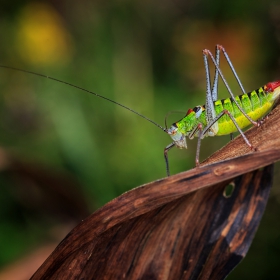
x=42 y=37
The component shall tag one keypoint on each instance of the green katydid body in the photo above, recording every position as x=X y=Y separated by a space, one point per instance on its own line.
x=255 y=104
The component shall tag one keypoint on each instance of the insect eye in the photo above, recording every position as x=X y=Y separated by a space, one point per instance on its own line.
x=198 y=111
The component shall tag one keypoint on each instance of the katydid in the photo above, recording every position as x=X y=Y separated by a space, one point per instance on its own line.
x=222 y=117
x=216 y=117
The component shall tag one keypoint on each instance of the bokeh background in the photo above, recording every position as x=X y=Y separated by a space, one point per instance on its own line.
x=64 y=153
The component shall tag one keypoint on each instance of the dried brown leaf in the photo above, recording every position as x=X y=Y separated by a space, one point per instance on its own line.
x=181 y=227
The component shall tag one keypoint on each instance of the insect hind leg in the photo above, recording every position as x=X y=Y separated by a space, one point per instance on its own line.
x=226 y=112
x=207 y=53
x=214 y=90
x=221 y=48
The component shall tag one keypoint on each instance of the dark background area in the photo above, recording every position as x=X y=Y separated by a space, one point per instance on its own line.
x=64 y=153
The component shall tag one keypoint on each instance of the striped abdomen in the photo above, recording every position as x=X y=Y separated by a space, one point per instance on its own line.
x=256 y=104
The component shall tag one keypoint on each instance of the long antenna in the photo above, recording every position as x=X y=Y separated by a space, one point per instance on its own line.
x=88 y=91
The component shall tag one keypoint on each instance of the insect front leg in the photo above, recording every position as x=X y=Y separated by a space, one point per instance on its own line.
x=166 y=149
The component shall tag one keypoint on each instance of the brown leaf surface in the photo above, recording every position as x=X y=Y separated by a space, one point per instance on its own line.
x=178 y=227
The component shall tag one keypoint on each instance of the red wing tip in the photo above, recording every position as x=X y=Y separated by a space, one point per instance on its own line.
x=272 y=86
x=189 y=111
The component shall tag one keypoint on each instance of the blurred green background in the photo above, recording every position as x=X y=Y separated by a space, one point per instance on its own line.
x=143 y=54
